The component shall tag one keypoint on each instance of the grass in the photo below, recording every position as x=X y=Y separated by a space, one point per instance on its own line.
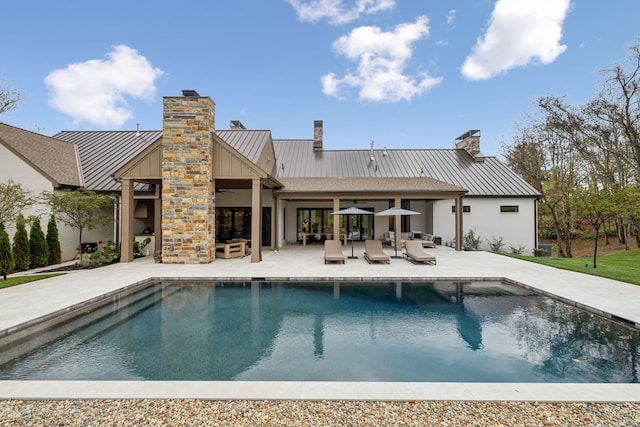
x=19 y=280
x=622 y=266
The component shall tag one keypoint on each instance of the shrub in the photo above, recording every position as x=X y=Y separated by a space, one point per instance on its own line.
x=518 y=250
x=471 y=242
x=6 y=256
x=21 y=249
x=496 y=244
x=108 y=253
x=53 y=241
x=38 y=245
x=537 y=252
x=138 y=247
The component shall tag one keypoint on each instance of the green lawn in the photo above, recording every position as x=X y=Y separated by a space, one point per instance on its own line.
x=19 y=280
x=623 y=266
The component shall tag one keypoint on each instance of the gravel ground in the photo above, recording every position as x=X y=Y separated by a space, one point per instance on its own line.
x=141 y=412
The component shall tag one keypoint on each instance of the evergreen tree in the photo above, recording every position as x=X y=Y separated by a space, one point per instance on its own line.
x=21 y=249
x=6 y=256
x=38 y=245
x=53 y=241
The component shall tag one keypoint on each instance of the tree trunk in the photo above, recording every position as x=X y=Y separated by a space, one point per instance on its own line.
x=595 y=248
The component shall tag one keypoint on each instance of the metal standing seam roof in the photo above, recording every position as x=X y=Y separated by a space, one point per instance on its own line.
x=249 y=143
x=367 y=185
x=490 y=177
x=56 y=159
x=101 y=153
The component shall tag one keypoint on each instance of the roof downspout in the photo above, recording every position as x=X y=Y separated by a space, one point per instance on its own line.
x=80 y=174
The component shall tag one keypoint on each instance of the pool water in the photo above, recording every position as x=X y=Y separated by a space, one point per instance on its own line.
x=333 y=331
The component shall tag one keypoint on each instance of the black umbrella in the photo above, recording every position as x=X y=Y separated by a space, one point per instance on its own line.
x=352 y=211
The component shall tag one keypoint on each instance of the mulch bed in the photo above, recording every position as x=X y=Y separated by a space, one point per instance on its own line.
x=75 y=267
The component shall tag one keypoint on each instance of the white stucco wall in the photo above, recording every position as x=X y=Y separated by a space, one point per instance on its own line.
x=14 y=168
x=289 y=209
x=516 y=229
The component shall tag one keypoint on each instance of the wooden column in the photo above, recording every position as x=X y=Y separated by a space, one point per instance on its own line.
x=336 y=219
x=459 y=232
x=157 y=223
x=256 y=220
x=126 y=244
x=398 y=243
x=275 y=243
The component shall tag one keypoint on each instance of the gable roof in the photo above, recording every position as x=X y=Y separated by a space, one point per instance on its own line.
x=249 y=143
x=56 y=160
x=490 y=177
x=102 y=153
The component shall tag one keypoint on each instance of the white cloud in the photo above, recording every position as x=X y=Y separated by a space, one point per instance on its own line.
x=519 y=33
x=451 y=16
x=95 y=91
x=336 y=11
x=382 y=58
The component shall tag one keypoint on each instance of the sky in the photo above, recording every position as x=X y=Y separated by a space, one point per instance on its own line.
x=398 y=73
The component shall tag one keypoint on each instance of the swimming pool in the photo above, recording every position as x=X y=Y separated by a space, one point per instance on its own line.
x=438 y=331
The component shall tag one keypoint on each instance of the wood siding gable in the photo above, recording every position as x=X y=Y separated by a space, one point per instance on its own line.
x=145 y=166
x=229 y=163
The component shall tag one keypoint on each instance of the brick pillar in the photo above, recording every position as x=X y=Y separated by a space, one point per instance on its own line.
x=188 y=196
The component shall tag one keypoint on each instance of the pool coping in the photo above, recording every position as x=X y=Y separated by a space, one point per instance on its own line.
x=319 y=390
x=600 y=295
x=311 y=390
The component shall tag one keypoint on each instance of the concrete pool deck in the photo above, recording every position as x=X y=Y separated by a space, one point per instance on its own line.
x=25 y=304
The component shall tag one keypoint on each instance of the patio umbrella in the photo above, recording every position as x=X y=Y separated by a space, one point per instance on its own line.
x=352 y=211
x=396 y=212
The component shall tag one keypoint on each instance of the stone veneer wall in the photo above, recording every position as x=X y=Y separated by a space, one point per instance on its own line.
x=188 y=196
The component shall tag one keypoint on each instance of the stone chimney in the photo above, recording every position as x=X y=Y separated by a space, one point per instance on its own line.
x=470 y=142
x=188 y=197
x=317 y=135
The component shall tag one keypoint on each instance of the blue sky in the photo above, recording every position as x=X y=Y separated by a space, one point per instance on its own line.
x=401 y=73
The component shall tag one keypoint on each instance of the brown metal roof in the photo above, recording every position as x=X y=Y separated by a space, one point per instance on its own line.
x=57 y=160
x=490 y=177
x=103 y=152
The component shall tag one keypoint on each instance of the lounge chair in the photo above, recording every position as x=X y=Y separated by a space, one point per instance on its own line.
x=333 y=251
x=373 y=252
x=427 y=240
x=416 y=254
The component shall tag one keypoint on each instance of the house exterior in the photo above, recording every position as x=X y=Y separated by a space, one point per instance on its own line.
x=40 y=163
x=194 y=188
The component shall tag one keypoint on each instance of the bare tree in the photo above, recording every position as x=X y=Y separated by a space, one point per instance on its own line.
x=9 y=97
x=546 y=160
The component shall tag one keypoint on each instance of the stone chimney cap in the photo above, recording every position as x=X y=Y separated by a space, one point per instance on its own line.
x=189 y=92
x=468 y=134
x=237 y=125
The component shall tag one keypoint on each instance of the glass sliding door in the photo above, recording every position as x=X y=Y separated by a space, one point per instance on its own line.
x=359 y=227
x=233 y=223
x=315 y=222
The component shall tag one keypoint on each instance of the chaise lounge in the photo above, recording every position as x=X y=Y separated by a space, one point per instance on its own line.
x=373 y=252
x=333 y=251
x=426 y=239
x=416 y=254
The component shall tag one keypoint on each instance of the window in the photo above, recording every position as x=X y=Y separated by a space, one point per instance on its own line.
x=465 y=209
x=509 y=208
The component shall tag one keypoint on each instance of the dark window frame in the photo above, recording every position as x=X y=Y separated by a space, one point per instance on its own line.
x=509 y=208
x=465 y=209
